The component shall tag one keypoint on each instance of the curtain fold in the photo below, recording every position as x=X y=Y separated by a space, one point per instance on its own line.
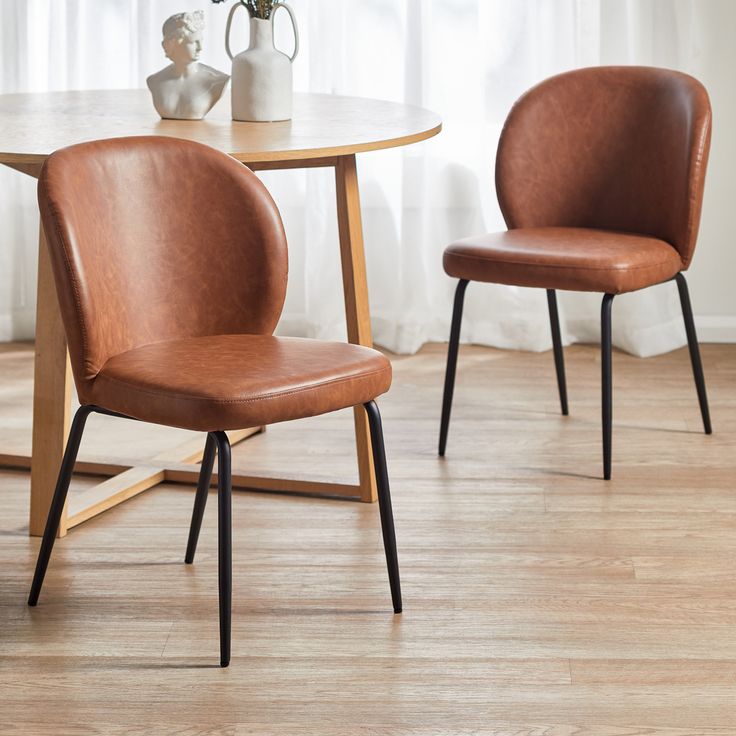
x=468 y=60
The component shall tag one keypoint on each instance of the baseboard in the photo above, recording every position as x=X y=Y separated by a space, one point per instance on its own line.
x=716 y=328
x=721 y=329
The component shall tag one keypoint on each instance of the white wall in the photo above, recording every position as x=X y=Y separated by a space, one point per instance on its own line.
x=697 y=36
x=713 y=279
x=703 y=44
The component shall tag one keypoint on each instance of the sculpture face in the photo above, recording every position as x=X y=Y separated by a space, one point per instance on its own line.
x=186 y=49
x=183 y=37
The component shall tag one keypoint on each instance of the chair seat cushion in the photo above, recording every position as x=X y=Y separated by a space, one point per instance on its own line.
x=576 y=259
x=237 y=381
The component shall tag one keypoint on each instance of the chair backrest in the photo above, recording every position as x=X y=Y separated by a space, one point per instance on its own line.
x=615 y=148
x=156 y=238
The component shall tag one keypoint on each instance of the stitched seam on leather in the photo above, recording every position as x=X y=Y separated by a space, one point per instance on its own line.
x=693 y=190
x=566 y=268
x=239 y=401
x=70 y=271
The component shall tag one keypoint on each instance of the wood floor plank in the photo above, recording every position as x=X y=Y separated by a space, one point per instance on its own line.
x=538 y=599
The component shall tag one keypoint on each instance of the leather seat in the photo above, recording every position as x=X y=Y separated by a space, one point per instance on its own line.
x=233 y=381
x=580 y=259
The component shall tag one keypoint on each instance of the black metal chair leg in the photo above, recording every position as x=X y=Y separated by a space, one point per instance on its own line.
x=57 y=503
x=607 y=383
x=692 y=343
x=224 y=532
x=554 y=321
x=200 y=499
x=384 y=503
x=452 y=349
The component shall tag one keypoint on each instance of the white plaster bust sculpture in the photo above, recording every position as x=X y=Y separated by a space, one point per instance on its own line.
x=186 y=89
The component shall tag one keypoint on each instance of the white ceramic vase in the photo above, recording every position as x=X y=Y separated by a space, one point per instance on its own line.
x=262 y=85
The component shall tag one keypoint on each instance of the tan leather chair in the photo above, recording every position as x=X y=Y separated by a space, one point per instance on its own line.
x=170 y=263
x=599 y=176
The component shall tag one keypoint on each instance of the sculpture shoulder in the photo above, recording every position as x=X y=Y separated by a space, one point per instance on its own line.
x=159 y=77
x=212 y=75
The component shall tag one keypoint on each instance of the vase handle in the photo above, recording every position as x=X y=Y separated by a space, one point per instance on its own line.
x=293 y=25
x=237 y=5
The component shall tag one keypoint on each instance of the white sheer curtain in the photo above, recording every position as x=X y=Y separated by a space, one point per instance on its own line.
x=468 y=60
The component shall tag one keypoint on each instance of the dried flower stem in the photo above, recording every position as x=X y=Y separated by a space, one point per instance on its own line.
x=257 y=8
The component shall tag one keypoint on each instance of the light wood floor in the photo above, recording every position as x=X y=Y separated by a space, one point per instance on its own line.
x=538 y=600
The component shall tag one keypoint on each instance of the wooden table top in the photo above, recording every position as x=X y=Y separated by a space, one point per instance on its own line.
x=36 y=124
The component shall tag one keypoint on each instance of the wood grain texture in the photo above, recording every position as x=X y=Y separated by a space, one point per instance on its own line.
x=538 y=599
x=34 y=125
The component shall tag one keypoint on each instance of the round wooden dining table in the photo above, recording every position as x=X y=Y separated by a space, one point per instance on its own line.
x=325 y=131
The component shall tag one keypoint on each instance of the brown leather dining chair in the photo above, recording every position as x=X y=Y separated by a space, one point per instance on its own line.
x=170 y=263
x=599 y=176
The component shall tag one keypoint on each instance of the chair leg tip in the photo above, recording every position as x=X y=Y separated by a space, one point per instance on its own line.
x=398 y=609
x=224 y=663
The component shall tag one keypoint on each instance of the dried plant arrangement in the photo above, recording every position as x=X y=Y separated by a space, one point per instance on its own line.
x=257 y=8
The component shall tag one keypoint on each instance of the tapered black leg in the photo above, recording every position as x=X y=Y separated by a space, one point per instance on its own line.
x=554 y=321
x=224 y=532
x=607 y=383
x=384 y=503
x=692 y=343
x=200 y=499
x=57 y=503
x=452 y=348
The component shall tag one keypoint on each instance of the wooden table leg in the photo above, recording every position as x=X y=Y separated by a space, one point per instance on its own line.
x=52 y=395
x=357 y=310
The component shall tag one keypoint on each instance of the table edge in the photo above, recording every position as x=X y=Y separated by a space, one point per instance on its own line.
x=7 y=158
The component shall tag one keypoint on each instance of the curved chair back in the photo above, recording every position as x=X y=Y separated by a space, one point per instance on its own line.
x=614 y=148
x=156 y=238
